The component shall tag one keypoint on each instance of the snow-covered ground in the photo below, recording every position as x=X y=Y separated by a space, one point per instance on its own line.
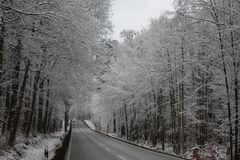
x=33 y=149
x=209 y=151
x=90 y=124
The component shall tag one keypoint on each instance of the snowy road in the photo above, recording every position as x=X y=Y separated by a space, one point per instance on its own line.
x=88 y=145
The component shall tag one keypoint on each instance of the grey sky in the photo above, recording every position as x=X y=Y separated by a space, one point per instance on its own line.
x=135 y=14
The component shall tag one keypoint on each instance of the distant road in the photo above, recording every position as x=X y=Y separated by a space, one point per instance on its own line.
x=88 y=145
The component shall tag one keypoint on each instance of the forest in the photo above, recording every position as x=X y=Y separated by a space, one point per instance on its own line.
x=173 y=85
x=46 y=62
x=176 y=83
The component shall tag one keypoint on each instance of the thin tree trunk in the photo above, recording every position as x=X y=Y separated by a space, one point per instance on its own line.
x=49 y=122
x=172 y=100
x=7 y=105
x=40 y=109
x=67 y=108
x=1 y=57
x=126 y=120
x=182 y=119
x=228 y=94
x=220 y=37
x=34 y=96
x=46 y=109
x=162 y=119
x=154 y=117
x=236 y=83
x=236 y=92
x=2 y=31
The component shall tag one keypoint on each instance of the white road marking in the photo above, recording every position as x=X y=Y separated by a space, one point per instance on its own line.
x=121 y=157
x=107 y=149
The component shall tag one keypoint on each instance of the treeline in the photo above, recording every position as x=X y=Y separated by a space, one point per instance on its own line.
x=46 y=50
x=177 y=83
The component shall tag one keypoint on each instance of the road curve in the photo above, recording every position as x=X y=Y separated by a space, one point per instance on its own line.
x=89 y=145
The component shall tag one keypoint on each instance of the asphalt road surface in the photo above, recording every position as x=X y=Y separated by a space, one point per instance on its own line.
x=89 y=145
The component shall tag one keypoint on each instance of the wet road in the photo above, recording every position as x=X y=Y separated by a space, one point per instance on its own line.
x=88 y=145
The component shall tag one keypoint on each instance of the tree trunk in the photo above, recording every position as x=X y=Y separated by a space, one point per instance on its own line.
x=49 y=119
x=220 y=37
x=19 y=108
x=236 y=85
x=228 y=93
x=236 y=93
x=34 y=96
x=15 y=83
x=67 y=108
x=2 y=31
x=66 y=119
x=7 y=105
x=172 y=97
x=40 y=109
x=126 y=120
x=26 y=115
x=182 y=110
x=162 y=120
x=46 y=109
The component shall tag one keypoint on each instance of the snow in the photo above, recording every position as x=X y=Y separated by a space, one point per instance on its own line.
x=209 y=151
x=113 y=135
x=90 y=124
x=34 y=149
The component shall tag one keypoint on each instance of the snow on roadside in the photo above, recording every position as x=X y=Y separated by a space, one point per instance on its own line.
x=112 y=135
x=34 y=149
x=220 y=150
x=90 y=124
x=209 y=151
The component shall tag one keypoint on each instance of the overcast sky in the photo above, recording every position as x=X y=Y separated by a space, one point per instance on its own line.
x=135 y=14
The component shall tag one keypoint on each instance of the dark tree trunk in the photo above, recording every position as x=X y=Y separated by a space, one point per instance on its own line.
x=126 y=120
x=27 y=110
x=46 y=109
x=1 y=63
x=182 y=97
x=26 y=115
x=19 y=108
x=49 y=122
x=7 y=105
x=40 y=109
x=220 y=38
x=34 y=96
x=161 y=119
x=236 y=92
x=228 y=93
x=67 y=108
x=66 y=121
x=155 y=118
x=1 y=45
x=172 y=97
x=15 y=83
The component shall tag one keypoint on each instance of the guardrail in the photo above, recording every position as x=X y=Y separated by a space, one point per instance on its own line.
x=131 y=143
